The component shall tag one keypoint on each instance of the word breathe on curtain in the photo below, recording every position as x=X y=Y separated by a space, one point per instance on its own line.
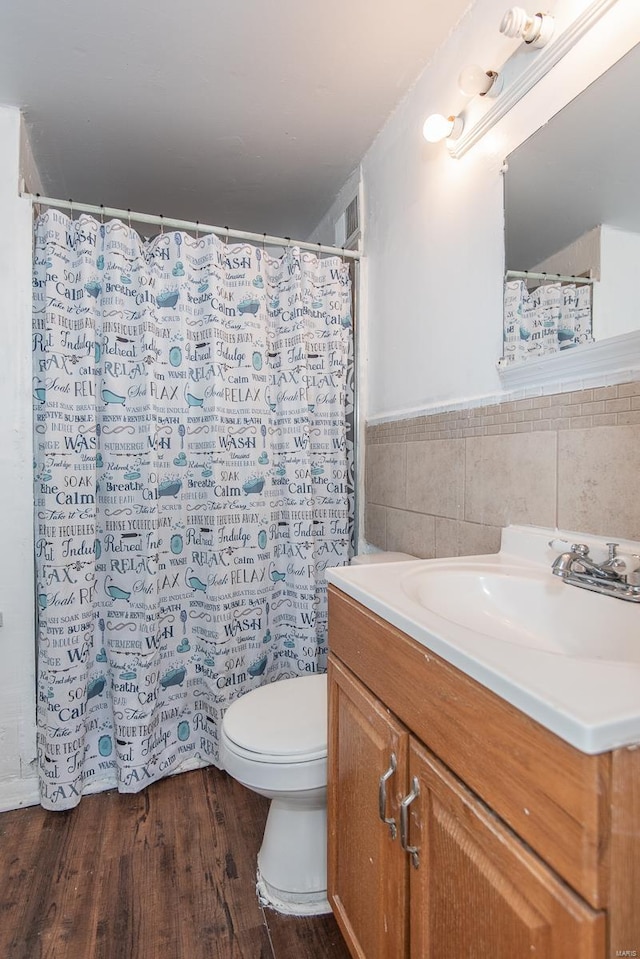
x=192 y=483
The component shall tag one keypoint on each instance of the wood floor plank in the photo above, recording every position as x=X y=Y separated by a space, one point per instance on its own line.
x=77 y=884
x=295 y=937
x=41 y=838
x=169 y=872
x=239 y=816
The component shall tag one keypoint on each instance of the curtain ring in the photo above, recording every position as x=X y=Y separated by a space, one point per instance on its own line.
x=197 y=229
x=161 y=225
x=226 y=239
x=70 y=208
x=129 y=213
x=102 y=213
x=264 y=241
x=319 y=251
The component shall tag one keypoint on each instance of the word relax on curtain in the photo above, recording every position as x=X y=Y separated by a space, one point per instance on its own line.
x=192 y=483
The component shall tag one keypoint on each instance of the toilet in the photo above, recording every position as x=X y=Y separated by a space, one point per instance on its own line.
x=273 y=740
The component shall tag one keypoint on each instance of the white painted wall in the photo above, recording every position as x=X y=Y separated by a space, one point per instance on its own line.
x=18 y=784
x=580 y=258
x=434 y=225
x=613 y=257
x=616 y=310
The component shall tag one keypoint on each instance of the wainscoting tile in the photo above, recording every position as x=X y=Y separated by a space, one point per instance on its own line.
x=386 y=474
x=583 y=446
x=413 y=533
x=511 y=479
x=375 y=525
x=455 y=538
x=435 y=477
x=446 y=537
x=599 y=481
x=629 y=389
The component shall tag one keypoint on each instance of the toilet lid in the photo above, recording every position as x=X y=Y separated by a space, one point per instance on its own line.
x=286 y=718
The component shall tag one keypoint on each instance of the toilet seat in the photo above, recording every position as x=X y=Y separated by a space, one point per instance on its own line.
x=283 y=722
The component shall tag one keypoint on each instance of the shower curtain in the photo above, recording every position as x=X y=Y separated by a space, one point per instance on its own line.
x=192 y=483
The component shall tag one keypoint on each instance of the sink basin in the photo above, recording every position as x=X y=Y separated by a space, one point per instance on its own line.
x=527 y=606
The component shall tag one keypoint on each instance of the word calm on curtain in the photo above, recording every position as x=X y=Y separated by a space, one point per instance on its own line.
x=192 y=483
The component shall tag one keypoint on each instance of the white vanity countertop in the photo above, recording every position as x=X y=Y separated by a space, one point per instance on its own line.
x=591 y=703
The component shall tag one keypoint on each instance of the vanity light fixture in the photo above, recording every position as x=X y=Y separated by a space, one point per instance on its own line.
x=436 y=128
x=474 y=81
x=536 y=30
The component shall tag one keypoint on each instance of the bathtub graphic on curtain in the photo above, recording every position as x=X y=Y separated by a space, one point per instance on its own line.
x=192 y=482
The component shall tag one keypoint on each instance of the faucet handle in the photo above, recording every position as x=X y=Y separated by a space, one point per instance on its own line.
x=615 y=561
x=633 y=576
x=631 y=564
x=581 y=549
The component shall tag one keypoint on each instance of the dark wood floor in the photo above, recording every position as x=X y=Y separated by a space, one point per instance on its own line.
x=168 y=873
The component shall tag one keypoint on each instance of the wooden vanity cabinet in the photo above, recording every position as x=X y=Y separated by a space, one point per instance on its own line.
x=369 y=894
x=472 y=886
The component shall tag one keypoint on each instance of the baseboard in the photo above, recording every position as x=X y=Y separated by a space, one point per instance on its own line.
x=15 y=793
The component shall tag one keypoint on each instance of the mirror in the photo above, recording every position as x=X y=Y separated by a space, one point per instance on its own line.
x=572 y=196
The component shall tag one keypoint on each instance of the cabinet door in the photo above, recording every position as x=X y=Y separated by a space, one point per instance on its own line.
x=367 y=871
x=478 y=890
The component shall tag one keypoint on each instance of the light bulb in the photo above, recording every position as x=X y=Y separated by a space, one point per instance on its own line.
x=536 y=30
x=474 y=81
x=436 y=128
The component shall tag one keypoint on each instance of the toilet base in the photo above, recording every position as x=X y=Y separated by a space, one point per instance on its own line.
x=300 y=905
x=292 y=862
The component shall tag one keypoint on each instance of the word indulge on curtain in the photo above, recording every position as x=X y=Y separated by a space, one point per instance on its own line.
x=191 y=487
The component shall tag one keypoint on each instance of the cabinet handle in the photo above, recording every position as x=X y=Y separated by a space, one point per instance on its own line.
x=404 y=823
x=382 y=796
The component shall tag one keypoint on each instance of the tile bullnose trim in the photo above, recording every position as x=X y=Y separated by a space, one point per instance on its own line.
x=429 y=410
x=613 y=405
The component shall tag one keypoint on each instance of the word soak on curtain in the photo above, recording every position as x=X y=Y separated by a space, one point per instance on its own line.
x=192 y=483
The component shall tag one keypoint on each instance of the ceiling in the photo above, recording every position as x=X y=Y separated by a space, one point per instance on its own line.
x=250 y=114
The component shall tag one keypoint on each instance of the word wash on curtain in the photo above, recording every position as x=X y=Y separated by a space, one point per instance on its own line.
x=192 y=483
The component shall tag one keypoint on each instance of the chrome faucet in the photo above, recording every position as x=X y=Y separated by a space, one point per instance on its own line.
x=578 y=559
x=610 y=578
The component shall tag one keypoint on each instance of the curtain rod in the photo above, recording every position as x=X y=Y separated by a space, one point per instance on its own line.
x=552 y=277
x=189 y=225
